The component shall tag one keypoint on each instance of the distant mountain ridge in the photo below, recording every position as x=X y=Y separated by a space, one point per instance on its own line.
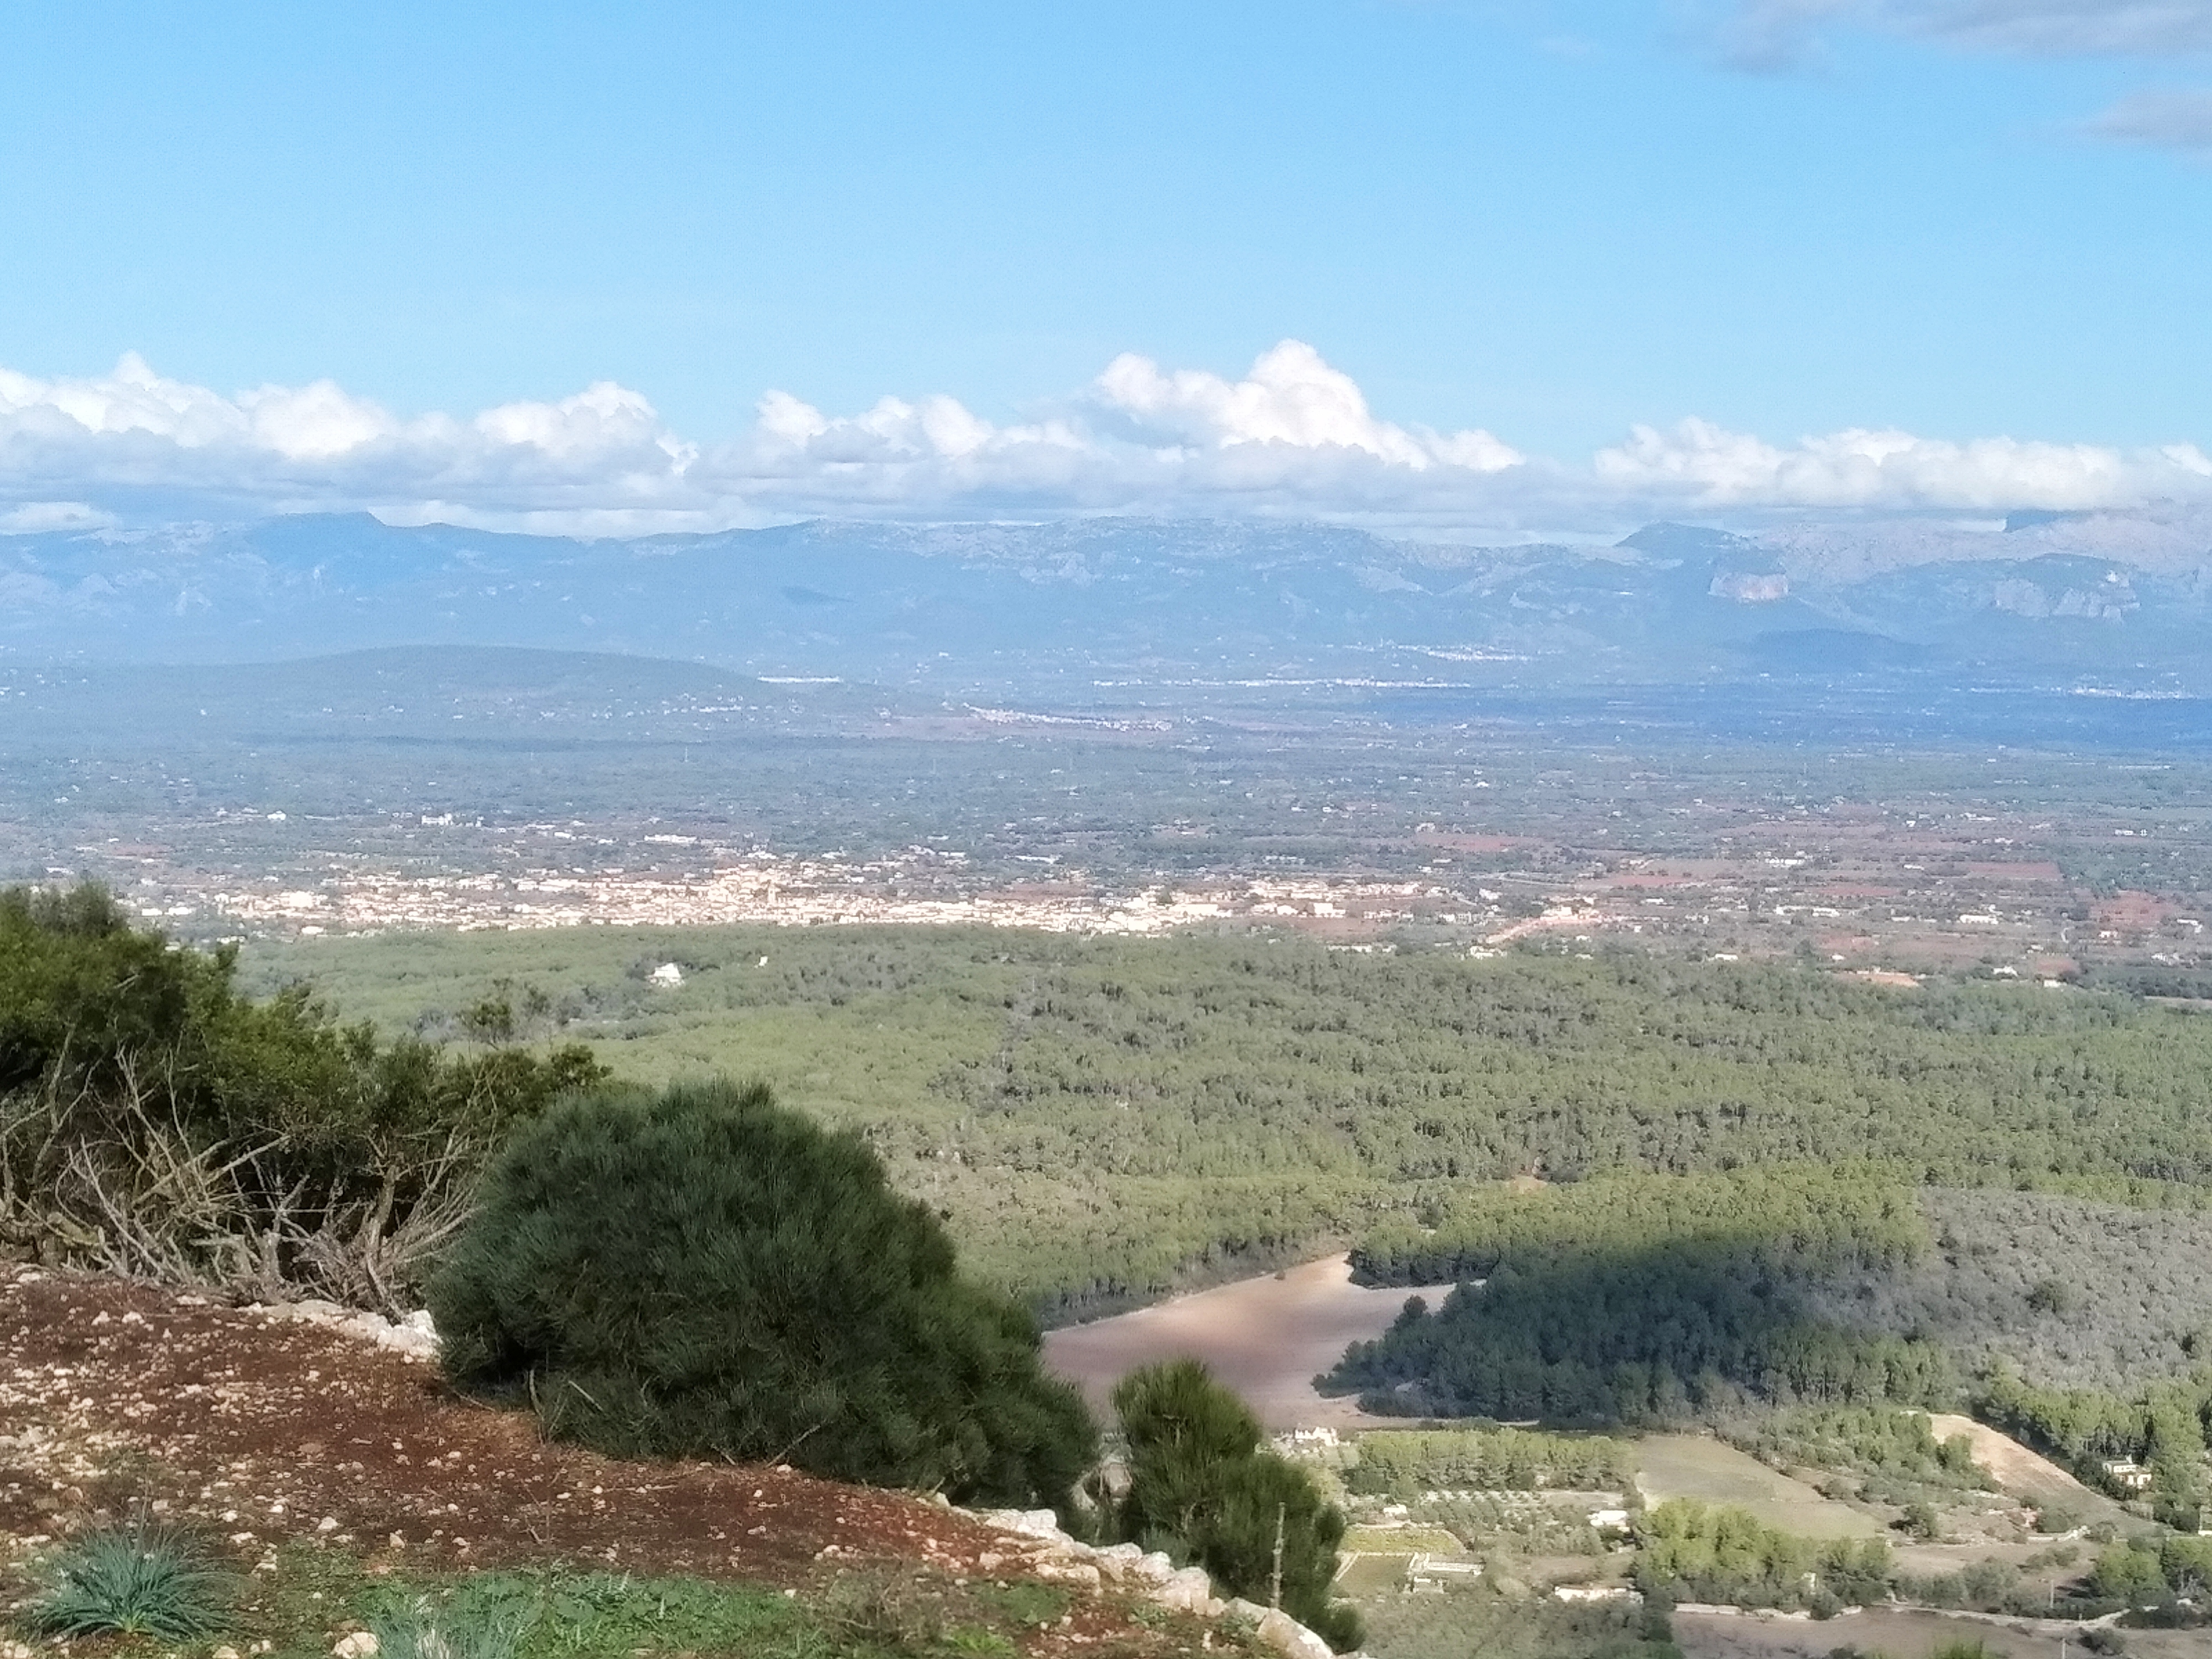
x=913 y=605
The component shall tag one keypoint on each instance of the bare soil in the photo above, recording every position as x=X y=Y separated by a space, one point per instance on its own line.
x=2025 y=1474
x=1268 y=1338
x=258 y=1430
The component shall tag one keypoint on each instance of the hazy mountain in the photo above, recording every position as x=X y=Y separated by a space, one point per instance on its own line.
x=911 y=605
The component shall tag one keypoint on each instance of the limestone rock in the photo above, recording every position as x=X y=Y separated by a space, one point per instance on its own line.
x=1031 y=1524
x=356 y=1644
x=1282 y=1633
x=413 y=1336
x=1188 y=1591
x=1079 y=1573
x=1118 y=1561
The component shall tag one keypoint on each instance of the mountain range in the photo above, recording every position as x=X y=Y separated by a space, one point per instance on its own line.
x=901 y=605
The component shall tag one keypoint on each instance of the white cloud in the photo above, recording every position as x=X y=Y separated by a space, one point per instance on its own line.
x=1775 y=33
x=1291 y=396
x=2162 y=119
x=33 y=517
x=1709 y=466
x=1294 y=438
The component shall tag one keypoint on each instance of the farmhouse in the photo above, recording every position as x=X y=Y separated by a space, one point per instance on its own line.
x=2127 y=1474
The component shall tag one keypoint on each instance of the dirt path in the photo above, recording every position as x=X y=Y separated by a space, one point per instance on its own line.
x=1266 y=1338
x=258 y=1430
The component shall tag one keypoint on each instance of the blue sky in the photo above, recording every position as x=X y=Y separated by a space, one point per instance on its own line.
x=1960 y=220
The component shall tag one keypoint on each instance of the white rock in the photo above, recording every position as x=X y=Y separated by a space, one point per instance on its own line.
x=224 y=1652
x=1068 y=1572
x=1031 y=1524
x=1188 y=1591
x=1278 y=1631
x=1118 y=1561
x=1155 y=1568
x=14 y=1650
x=357 y=1644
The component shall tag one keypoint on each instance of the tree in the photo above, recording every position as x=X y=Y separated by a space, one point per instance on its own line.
x=1201 y=1488
x=2124 y=1573
x=704 y=1274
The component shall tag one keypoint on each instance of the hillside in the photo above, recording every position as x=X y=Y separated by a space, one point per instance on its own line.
x=336 y=1472
x=1102 y=1117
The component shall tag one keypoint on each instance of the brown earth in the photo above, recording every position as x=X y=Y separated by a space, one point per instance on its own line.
x=260 y=1431
x=2029 y=1475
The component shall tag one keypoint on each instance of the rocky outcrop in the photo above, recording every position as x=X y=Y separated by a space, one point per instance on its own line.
x=1038 y=1545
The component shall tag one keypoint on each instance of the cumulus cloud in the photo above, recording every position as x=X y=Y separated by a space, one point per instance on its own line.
x=1776 y=33
x=1293 y=438
x=1291 y=396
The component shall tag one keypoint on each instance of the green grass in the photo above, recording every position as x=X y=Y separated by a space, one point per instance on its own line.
x=555 y=1612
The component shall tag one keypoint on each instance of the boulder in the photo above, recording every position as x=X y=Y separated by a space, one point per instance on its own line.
x=1285 y=1636
x=1188 y=1591
x=1118 y=1561
x=1031 y=1524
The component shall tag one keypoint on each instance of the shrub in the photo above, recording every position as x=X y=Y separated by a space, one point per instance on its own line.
x=1201 y=1488
x=703 y=1273
x=154 y=1122
x=130 y=1581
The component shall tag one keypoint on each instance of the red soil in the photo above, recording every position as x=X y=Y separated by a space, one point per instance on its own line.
x=114 y=1394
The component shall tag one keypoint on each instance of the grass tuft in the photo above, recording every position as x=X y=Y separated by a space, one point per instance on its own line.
x=130 y=1581
x=460 y=1629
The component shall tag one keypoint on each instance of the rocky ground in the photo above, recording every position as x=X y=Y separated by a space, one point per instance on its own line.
x=269 y=1435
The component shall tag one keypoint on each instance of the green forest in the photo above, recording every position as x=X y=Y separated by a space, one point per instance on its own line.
x=1688 y=1189
x=1104 y=1119
x=1642 y=1298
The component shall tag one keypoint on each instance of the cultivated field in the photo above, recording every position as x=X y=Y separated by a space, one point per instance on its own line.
x=1695 y=1466
x=2035 y=1479
x=1268 y=1338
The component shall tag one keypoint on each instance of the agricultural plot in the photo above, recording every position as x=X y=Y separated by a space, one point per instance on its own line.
x=2031 y=1478
x=1268 y=1338
x=1697 y=1467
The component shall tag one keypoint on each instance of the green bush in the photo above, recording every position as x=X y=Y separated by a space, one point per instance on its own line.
x=703 y=1273
x=130 y=1581
x=1201 y=1488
